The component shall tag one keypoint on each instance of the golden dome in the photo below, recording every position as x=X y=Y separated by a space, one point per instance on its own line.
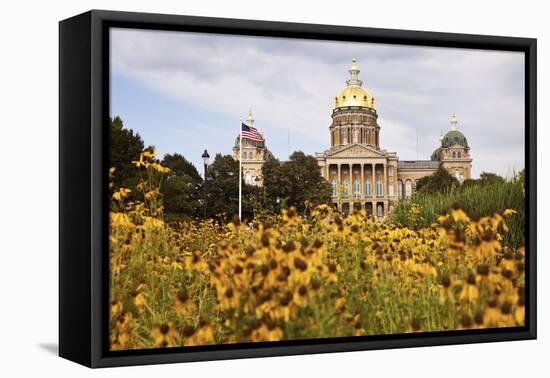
x=354 y=94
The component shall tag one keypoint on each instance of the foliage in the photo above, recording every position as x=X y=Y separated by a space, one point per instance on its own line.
x=182 y=189
x=439 y=181
x=297 y=182
x=124 y=147
x=477 y=200
x=222 y=190
x=485 y=178
x=291 y=277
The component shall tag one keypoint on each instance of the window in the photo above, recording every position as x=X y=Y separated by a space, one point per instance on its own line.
x=344 y=136
x=459 y=155
x=379 y=187
x=368 y=188
x=334 y=188
x=408 y=188
x=355 y=136
x=399 y=189
x=458 y=175
x=251 y=153
x=346 y=188
x=248 y=178
x=454 y=154
x=366 y=136
x=379 y=210
x=356 y=188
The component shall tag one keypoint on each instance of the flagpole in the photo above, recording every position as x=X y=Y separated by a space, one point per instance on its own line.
x=240 y=166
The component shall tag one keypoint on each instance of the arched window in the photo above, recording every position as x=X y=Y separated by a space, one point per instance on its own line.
x=334 y=188
x=248 y=178
x=408 y=188
x=459 y=155
x=344 y=136
x=355 y=136
x=454 y=154
x=399 y=189
x=379 y=188
x=368 y=188
x=251 y=155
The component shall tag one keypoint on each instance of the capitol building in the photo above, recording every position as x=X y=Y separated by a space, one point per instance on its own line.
x=362 y=174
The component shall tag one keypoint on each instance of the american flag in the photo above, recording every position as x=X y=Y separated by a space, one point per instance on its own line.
x=249 y=132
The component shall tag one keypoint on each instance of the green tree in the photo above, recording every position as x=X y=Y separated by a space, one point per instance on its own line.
x=124 y=147
x=490 y=178
x=182 y=188
x=439 y=181
x=222 y=190
x=297 y=182
x=485 y=178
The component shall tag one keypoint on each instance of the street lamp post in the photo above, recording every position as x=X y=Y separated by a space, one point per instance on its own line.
x=205 y=158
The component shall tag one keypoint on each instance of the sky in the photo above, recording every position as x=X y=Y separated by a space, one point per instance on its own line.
x=186 y=92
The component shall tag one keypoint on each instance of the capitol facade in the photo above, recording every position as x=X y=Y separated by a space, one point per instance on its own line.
x=362 y=174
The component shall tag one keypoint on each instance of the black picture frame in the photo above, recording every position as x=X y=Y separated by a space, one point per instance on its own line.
x=83 y=204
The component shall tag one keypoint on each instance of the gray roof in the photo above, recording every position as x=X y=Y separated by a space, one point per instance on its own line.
x=418 y=164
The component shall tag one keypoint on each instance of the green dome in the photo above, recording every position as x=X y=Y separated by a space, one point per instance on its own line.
x=435 y=154
x=454 y=137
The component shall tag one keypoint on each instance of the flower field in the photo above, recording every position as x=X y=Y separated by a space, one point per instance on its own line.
x=295 y=277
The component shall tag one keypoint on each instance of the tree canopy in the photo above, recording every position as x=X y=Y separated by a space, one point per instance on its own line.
x=222 y=190
x=484 y=179
x=124 y=147
x=439 y=181
x=181 y=190
x=297 y=182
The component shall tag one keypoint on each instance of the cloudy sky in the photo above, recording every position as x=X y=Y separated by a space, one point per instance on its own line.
x=184 y=92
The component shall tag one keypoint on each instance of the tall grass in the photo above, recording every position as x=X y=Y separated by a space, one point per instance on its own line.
x=483 y=199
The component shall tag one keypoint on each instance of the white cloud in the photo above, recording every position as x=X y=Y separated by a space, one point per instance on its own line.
x=289 y=84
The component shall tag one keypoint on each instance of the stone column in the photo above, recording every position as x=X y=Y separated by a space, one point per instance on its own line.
x=338 y=180
x=385 y=182
x=373 y=181
x=362 y=183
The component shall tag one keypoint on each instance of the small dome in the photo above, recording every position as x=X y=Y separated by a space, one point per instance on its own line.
x=454 y=137
x=354 y=95
x=435 y=154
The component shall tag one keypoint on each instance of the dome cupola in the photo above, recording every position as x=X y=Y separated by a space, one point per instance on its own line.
x=354 y=94
x=454 y=137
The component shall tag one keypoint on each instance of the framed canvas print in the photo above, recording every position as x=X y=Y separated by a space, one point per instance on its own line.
x=235 y=188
